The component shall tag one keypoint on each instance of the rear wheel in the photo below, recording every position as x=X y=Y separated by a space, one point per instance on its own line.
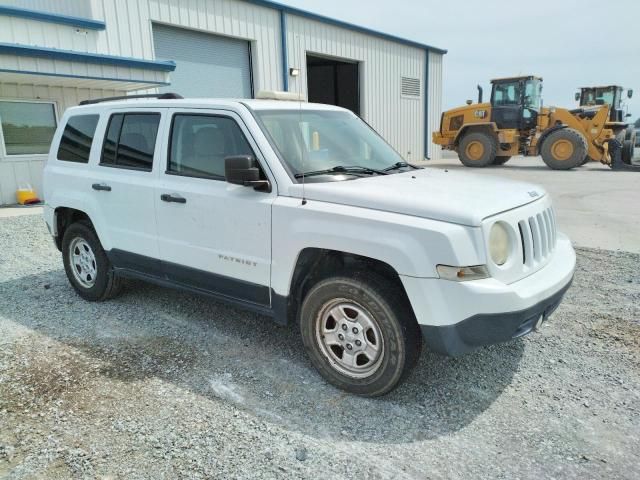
x=627 y=151
x=86 y=264
x=360 y=333
x=477 y=149
x=501 y=160
x=564 y=149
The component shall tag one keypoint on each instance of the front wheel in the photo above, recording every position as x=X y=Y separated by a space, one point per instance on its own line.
x=564 y=149
x=86 y=264
x=360 y=333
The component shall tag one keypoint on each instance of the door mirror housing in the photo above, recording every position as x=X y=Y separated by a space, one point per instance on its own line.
x=577 y=96
x=630 y=93
x=244 y=170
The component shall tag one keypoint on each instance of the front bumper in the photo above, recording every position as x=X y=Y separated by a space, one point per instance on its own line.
x=456 y=317
x=488 y=329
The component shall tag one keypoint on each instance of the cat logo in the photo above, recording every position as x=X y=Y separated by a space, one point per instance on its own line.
x=533 y=194
x=480 y=113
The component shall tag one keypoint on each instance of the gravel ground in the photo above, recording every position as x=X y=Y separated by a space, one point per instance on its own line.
x=161 y=384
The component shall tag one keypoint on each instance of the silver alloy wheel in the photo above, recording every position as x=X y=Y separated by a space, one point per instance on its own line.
x=350 y=338
x=83 y=262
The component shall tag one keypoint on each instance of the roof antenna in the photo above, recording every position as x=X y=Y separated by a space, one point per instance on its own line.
x=303 y=145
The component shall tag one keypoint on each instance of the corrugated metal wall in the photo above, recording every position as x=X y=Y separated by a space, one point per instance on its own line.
x=16 y=170
x=435 y=102
x=383 y=63
x=129 y=29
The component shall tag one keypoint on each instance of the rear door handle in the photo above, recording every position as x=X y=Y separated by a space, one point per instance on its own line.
x=101 y=187
x=166 y=197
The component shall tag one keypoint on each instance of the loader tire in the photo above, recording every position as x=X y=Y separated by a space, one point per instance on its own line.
x=564 y=149
x=477 y=149
x=501 y=160
x=627 y=151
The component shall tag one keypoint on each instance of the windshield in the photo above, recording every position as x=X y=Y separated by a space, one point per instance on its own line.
x=533 y=94
x=599 y=96
x=313 y=140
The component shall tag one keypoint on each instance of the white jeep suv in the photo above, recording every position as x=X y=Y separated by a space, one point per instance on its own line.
x=303 y=213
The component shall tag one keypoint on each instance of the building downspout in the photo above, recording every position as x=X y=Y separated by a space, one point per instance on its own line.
x=283 y=45
x=426 y=104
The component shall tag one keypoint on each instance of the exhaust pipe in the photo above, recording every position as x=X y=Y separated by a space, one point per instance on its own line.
x=479 y=94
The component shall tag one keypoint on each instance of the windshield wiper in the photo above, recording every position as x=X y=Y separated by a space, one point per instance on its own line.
x=341 y=169
x=399 y=165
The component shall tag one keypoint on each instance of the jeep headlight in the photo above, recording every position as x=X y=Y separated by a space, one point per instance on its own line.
x=499 y=243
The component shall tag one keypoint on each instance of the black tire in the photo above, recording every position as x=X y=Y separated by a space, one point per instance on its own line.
x=484 y=145
x=105 y=284
x=627 y=151
x=501 y=160
x=564 y=149
x=384 y=303
x=586 y=160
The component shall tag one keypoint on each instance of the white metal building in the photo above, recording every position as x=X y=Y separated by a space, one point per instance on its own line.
x=55 y=53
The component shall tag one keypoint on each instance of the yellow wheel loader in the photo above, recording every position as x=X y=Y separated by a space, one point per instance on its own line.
x=589 y=97
x=514 y=122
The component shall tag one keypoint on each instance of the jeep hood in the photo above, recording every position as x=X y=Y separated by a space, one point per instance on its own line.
x=455 y=197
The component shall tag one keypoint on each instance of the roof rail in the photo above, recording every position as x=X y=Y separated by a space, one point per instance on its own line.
x=159 y=96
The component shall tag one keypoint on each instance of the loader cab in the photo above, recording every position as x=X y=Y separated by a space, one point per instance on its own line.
x=516 y=102
x=611 y=95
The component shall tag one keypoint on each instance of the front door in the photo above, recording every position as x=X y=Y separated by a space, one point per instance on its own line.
x=212 y=235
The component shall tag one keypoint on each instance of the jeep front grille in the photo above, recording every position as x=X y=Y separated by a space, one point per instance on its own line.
x=538 y=236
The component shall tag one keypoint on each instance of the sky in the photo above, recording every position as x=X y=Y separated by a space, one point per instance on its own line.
x=569 y=43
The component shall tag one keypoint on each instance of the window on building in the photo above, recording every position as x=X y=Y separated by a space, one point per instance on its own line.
x=27 y=127
x=75 y=144
x=131 y=140
x=200 y=143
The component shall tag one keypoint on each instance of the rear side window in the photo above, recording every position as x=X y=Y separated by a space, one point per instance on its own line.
x=200 y=143
x=131 y=140
x=75 y=144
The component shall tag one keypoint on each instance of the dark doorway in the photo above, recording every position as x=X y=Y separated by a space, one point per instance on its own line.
x=333 y=82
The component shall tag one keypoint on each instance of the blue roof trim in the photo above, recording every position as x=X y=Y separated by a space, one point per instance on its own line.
x=84 y=77
x=70 y=55
x=52 y=18
x=347 y=25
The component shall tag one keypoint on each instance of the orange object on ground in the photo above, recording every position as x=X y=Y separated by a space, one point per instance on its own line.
x=26 y=195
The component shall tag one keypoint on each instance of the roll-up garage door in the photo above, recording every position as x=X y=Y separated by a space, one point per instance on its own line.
x=206 y=65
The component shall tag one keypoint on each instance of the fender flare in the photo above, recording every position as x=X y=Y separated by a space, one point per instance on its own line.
x=486 y=125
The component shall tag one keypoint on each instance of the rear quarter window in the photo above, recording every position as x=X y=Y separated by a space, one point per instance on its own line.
x=77 y=138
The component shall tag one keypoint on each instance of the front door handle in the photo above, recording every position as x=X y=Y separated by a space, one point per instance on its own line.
x=166 y=197
x=101 y=187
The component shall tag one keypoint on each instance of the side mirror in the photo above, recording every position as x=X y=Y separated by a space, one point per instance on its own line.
x=630 y=93
x=469 y=102
x=577 y=96
x=243 y=170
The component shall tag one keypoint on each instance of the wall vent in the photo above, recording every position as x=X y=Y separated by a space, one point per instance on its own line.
x=410 y=87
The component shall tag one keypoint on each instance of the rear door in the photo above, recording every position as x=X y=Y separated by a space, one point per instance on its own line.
x=213 y=235
x=124 y=184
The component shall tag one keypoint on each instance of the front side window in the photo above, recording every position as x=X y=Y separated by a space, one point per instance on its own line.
x=27 y=127
x=131 y=140
x=309 y=140
x=200 y=144
x=77 y=138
